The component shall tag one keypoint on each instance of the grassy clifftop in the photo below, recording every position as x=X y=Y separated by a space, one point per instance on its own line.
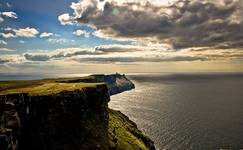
x=65 y=114
x=124 y=134
x=43 y=87
x=48 y=88
x=116 y=83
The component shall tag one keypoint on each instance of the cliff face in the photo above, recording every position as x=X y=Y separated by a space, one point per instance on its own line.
x=76 y=118
x=65 y=120
x=116 y=83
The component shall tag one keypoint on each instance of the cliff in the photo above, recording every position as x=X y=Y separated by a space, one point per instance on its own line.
x=56 y=115
x=116 y=83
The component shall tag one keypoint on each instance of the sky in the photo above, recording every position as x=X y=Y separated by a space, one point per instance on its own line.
x=129 y=36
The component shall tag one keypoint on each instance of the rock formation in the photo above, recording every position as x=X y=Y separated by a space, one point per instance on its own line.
x=64 y=116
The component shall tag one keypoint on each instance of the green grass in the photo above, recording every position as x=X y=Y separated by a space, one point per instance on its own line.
x=48 y=88
x=125 y=139
x=45 y=86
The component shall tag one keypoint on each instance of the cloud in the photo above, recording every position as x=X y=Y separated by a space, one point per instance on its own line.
x=26 y=32
x=82 y=33
x=22 y=42
x=8 y=4
x=60 y=40
x=2 y=42
x=3 y=61
x=70 y=52
x=132 y=59
x=2 y=49
x=1 y=19
x=65 y=19
x=7 y=35
x=36 y=57
x=21 y=32
x=46 y=34
x=12 y=59
x=115 y=53
x=60 y=54
x=126 y=54
x=8 y=29
x=180 y=23
x=118 y=48
x=9 y=14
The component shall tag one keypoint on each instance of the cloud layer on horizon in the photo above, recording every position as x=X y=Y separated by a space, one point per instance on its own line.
x=125 y=54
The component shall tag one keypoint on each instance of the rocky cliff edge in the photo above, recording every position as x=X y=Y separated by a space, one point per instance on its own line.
x=55 y=115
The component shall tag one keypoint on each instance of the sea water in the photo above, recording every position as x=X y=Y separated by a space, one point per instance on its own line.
x=186 y=111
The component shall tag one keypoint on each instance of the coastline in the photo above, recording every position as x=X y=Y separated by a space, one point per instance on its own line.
x=30 y=109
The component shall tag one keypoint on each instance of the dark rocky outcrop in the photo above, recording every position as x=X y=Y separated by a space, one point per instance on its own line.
x=68 y=120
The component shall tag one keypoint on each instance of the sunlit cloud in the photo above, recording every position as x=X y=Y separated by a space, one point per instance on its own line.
x=26 y=32
x=21 y=32
x=65 y=19
x=46 y=34
x=9 y=14
x=82 y=33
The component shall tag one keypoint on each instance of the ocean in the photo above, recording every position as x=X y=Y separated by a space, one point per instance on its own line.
x=186 y=111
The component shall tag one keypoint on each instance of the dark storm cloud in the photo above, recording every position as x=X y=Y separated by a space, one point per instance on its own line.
x=186 y=23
